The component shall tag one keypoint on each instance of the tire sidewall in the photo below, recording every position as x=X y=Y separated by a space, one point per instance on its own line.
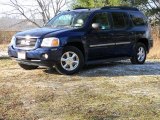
x=59 y=67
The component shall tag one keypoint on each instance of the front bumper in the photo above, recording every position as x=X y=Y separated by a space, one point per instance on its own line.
x=35 y=57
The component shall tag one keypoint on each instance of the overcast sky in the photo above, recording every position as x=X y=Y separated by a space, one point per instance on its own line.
x=4 y=8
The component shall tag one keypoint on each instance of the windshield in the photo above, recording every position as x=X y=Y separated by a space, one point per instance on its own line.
x=69 y=19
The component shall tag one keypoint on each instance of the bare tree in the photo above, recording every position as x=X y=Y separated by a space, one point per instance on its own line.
x=40 y=8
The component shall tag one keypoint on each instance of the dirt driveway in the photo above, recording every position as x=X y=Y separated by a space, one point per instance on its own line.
x=112 y=91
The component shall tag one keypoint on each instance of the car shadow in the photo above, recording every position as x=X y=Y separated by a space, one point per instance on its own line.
x=50 y=70
x=121 y=69
x=113 y=69
x=4 y=58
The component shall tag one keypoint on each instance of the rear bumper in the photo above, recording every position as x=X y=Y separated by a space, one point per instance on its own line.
x=35 y=57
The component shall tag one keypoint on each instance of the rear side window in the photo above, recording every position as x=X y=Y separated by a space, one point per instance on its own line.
x=138 y=19
x=102 y=19
x=119 y=20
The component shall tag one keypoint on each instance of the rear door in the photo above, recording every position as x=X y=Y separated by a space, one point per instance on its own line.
x=121 y=33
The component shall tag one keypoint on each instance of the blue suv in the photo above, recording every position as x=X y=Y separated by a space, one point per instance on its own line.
x=82 y=36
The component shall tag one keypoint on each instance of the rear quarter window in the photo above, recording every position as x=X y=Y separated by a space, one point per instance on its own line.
x=138 y=19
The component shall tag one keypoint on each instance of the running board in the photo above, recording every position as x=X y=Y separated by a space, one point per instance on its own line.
x=106 y=60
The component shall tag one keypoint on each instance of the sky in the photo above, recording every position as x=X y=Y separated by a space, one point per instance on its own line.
x=5 y=8
x=8 y=9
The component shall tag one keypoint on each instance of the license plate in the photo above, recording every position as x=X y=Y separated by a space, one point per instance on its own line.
x=21 y=55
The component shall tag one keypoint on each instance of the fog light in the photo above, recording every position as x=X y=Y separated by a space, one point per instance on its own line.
x=45 y=56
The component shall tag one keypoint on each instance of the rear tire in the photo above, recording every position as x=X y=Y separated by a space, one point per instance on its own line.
x=139 y=54
x=71 y=61
x=27 y=67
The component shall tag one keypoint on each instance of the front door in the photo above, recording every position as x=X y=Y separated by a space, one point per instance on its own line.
x=100 y=40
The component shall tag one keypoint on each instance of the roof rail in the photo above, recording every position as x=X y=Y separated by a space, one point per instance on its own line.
x=120 y=7
x=81 y=8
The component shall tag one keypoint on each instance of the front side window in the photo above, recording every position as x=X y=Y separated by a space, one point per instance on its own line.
x=102 y=20
x=119 y=20
x=63 y=20
x=69 y=19
x=137 y=19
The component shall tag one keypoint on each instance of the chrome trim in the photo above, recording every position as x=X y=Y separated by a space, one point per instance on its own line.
x=122 y=43
x=35 y=60
x=26 y=47
x=30 y=37
x=101 y=45
x=24 y=60
x=109 y=44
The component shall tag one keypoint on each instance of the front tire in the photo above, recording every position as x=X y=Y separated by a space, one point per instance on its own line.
x=27 y=67
x=140 y=53
x=71 y=61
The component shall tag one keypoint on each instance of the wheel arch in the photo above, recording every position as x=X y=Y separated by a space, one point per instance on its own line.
x=78 y=45
x=145 y=42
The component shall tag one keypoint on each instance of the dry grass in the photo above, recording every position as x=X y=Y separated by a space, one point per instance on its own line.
x=5 y=36
x=3 y=47
x=155 y=51
x=114 y=91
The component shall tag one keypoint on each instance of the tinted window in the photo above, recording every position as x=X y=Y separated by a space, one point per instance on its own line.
x=102 y=20
x=119 y=20
x=137 y=19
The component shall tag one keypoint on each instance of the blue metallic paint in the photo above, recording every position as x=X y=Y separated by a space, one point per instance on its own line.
x=86 y=37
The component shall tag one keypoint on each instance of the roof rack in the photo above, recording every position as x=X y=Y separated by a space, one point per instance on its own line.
x=120 y=7
x=81 y=8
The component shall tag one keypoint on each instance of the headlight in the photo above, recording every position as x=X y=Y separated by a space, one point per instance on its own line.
x=50 y=42
x=13 y=40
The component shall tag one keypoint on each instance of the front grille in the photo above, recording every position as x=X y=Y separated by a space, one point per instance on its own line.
x=27 y=44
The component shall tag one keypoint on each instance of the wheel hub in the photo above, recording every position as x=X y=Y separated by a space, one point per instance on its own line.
x=69 y=61
x=141 y=54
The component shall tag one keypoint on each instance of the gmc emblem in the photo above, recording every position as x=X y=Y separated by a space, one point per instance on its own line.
x=25 y=42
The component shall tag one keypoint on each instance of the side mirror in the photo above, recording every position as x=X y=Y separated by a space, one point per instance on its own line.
x=95 y=25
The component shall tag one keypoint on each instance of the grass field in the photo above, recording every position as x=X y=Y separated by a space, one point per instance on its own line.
x=115 y=91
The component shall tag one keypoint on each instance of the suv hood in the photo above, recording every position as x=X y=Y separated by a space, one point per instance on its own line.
x=40 y=32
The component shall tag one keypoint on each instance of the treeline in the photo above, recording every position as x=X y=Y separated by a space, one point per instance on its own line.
x=46 y=9
x=150 y=7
